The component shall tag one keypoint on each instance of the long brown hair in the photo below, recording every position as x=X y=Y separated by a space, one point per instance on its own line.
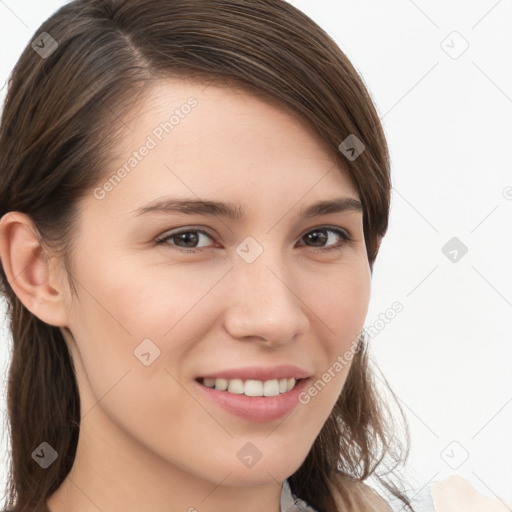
x=63 y=113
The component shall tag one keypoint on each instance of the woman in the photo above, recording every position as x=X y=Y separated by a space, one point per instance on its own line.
x=193 y=195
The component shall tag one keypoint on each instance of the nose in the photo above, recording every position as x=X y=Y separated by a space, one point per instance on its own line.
x=266 y=302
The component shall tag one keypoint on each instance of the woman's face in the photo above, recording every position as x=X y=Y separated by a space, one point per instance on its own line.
x=258 y=299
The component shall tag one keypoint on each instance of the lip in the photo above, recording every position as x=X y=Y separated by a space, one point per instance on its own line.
x=257 y=409
x=260 y=373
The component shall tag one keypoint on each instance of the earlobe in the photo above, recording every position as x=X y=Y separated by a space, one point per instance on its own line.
x=28 y=269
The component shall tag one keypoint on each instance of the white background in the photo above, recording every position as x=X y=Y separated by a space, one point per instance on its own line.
x=448 y=120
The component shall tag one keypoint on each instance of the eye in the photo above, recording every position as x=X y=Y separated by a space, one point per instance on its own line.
x=189 y=237
x=318 y=235
x=186 y=240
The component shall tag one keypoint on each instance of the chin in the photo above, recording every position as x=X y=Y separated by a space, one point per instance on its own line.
x=262 y=474
x=262 y=467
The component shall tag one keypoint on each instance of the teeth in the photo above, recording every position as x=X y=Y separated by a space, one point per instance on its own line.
x=236 y=386
x=271 y=388
x=210 y=382
x=251 y=387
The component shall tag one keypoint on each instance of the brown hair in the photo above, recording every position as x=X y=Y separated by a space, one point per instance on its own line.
x=61 y=120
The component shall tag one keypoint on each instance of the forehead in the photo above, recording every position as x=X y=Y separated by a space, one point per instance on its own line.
x=226 y=114
x=206 y=138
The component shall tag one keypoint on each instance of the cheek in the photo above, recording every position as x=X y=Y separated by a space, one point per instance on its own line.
x=342 y=304
x=341 y=308
x=139 y=302
x=120 y=324
x=143 y=322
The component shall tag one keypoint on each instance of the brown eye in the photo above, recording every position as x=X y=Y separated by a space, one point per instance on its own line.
x=186 y=239
x=319 y=237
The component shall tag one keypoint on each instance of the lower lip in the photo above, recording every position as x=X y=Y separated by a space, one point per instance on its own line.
x=256 y=408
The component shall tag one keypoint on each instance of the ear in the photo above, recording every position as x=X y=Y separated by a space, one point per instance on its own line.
x=29 y=270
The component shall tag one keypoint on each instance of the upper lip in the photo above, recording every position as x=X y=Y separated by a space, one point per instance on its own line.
x=262 y=373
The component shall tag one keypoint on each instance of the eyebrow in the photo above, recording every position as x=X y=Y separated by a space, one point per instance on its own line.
x=235 y=211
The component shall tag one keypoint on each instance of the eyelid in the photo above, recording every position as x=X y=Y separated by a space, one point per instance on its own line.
x=328 y=227
x=184 y=229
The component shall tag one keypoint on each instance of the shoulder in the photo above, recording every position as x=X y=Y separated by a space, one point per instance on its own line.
x=359 y=494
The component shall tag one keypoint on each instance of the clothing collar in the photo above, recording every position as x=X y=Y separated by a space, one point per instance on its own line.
x=290 y=503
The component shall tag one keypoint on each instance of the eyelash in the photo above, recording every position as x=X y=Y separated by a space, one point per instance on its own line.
x=346 y=239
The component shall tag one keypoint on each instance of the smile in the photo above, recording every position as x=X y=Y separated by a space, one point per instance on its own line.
x=251 y=387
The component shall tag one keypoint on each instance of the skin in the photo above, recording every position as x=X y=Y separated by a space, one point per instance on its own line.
x=148 y=439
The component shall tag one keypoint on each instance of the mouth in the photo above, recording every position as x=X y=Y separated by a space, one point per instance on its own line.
x=251 y=387
x=241 y=394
